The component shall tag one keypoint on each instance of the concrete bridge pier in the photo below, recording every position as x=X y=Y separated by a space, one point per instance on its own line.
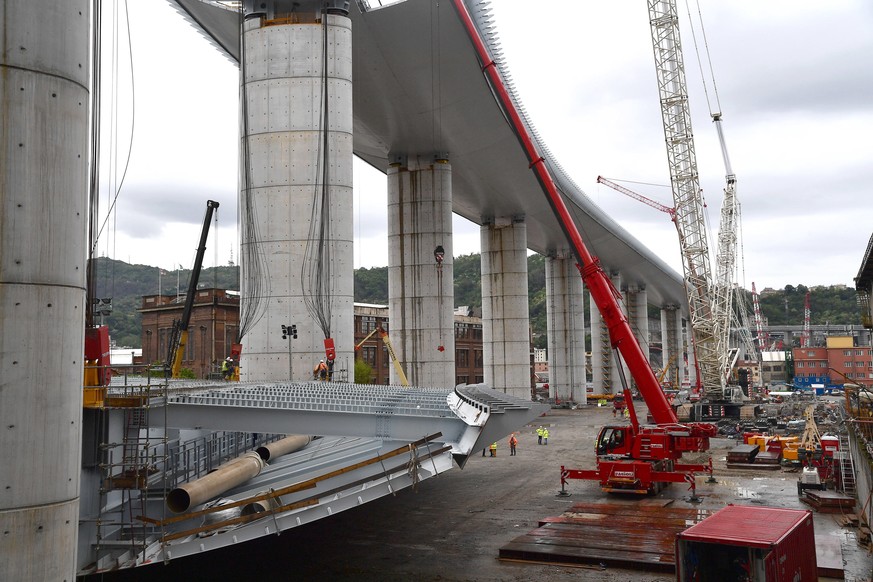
x=297 y=235
x=505 y=317
x=45 y=71
x=637 y=304
x=565 y=317
x=671 y=344
x=420 y=277
x=604 y=369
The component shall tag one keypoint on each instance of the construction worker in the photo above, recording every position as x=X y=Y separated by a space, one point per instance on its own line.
x=227 y=368
x=539 y=435
x=493 y=449
x=513 y=441
x=545 y=436
x=320 y=371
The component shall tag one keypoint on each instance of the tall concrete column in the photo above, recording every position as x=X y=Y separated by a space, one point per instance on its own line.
x=565 y=314
x=296 y=197
x=420 y=287
x=505 y=318
x=44 y=155
x=601 y=352
x=689 y=367
x=637 y=304
x=672 y=344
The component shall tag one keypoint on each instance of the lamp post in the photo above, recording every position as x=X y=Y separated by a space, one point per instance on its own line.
x=289 y=332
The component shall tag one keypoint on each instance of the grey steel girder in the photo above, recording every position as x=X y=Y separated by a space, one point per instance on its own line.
x=467 y=417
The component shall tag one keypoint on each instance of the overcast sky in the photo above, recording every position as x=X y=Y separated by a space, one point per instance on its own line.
x=795 y=83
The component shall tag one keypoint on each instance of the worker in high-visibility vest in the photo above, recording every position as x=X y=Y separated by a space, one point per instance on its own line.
x=320 y=371
x=493 y=449
x=539 y=435
x=513 y=441
x=545 y=436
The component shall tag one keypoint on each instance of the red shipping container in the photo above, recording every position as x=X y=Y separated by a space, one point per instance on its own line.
x=742 y=543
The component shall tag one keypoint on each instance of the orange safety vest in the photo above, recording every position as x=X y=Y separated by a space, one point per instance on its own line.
x=513 y=440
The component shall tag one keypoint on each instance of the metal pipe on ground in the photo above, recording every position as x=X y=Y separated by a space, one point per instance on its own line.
x=227 y=476
x=289 y=444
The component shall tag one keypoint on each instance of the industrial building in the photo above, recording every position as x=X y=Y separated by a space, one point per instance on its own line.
x=215 y=322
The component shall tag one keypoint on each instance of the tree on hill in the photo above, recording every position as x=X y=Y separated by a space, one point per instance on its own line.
x=126 y=284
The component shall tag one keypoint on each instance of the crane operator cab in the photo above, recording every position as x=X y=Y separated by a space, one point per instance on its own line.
x=612 y=440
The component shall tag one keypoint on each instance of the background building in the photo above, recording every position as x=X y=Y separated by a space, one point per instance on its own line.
x=215 y=322
x=212 y=331
x=841 y=361
x=468 y=344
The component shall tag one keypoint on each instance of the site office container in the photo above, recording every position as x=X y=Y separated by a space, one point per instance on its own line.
x=761 y=544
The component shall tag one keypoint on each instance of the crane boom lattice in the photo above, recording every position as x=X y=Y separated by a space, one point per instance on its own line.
x=685 y=183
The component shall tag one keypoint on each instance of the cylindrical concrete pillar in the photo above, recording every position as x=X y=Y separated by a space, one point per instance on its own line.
x=565 y=314
x=44 y=155
x=296 y=196
x=505 y=318
x=671 y=345
x=637 y=303
x=601 y=351
x=420 y=286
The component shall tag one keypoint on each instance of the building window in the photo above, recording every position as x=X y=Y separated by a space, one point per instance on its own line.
x=368 y=354
x=822 y=364
x=801 y=364
x=463 y=359
x=477 y=332
x=859 y=352
x=479 y=379
x=368 y=324
x=461 y=379
x=189 y=346
x=461 y=330
x=478 y=359
x=810 y=354
x=847 y=352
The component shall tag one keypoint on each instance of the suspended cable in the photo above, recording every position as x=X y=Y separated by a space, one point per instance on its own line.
x=253 y=268
x=94 y=186
x=316 y=281
x=117 y=190
x=703 y=75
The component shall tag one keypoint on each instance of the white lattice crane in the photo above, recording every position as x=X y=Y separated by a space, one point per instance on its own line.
x=763 y=336
x=685 y=182
x=805 y=336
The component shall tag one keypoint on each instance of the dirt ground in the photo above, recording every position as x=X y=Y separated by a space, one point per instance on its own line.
x=452 y=527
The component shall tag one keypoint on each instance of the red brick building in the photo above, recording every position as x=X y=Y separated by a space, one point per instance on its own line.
x=215 y=322
x=841 y=354
x=211 y=332
x=469 y=367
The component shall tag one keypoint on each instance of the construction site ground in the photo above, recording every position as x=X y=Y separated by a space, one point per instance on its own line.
x=453 y=526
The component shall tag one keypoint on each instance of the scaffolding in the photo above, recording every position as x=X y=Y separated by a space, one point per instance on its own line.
x=139 y=462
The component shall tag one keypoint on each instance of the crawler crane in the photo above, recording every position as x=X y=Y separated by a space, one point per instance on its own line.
x=647 y=456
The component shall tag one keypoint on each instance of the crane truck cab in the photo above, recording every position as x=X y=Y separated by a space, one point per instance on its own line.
x=614 y=440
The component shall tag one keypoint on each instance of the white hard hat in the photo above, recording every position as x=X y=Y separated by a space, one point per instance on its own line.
x=322 y=361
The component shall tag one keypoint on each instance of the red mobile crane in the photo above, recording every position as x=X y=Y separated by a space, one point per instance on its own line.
x=646 y=457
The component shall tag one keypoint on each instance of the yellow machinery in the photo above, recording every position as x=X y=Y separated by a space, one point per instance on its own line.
x=384 y=336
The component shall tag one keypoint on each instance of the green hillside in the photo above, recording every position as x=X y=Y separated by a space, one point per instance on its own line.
x=126 y=284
